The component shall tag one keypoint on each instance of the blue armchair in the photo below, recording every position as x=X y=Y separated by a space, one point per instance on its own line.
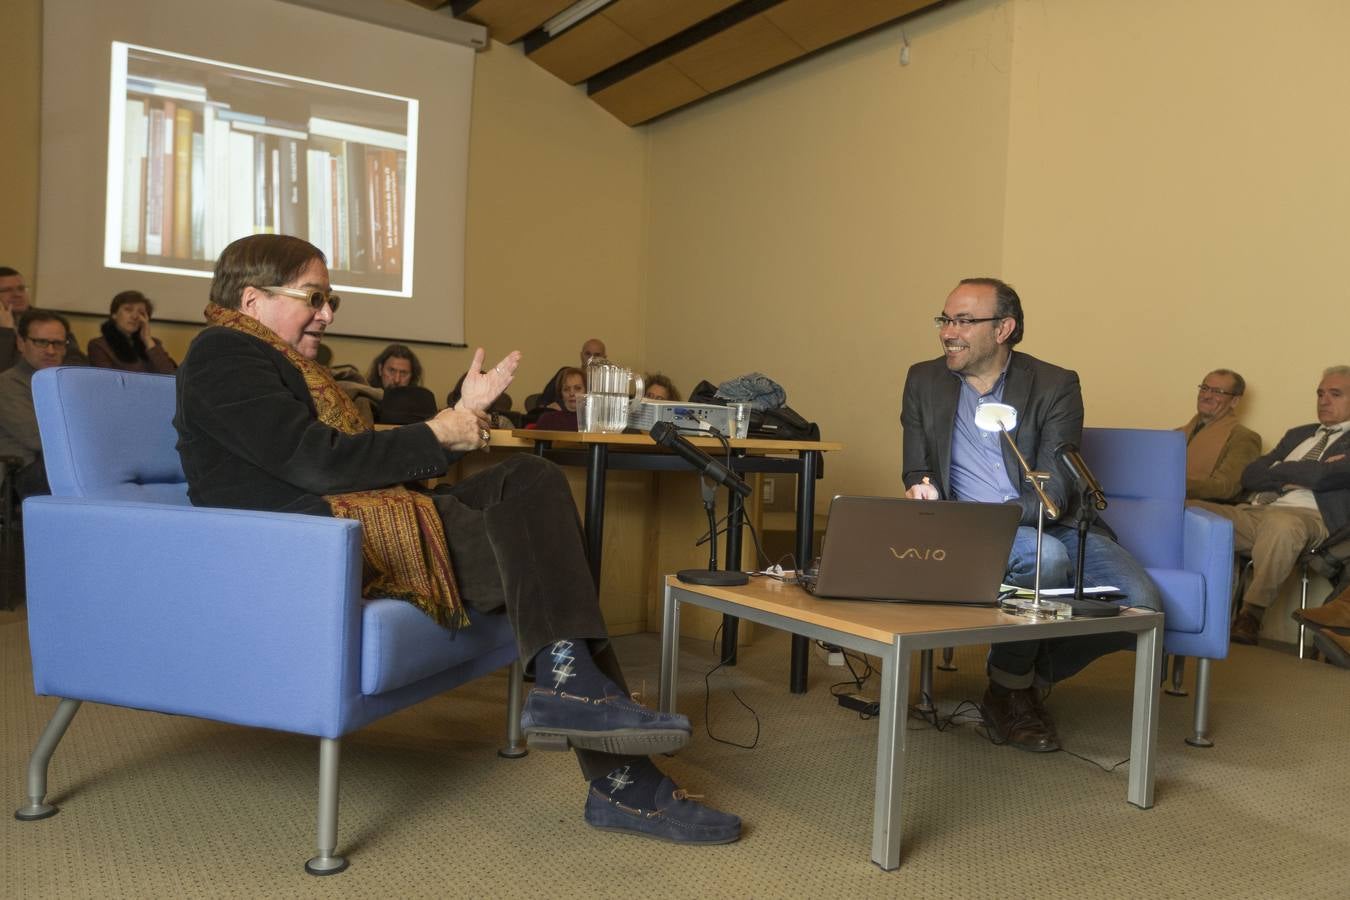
x=246 y=617
x=1188 y=552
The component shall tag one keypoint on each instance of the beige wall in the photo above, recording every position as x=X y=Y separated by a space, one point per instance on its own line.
x=808 y=225
x=555 y=215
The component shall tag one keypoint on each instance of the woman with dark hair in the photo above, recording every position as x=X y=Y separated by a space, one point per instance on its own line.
x=570 y=387
x=396 y=366
x=262 y=426
x=660 y=387
x=126 y=343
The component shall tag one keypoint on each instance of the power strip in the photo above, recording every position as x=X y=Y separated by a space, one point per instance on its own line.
x=860 y=704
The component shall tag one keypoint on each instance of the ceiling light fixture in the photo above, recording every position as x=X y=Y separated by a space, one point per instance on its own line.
x=572 y=15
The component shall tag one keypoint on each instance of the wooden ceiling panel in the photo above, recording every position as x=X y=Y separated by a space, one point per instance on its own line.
x=509 y=20
x=748 y=48
x=586 y=48
x=652 y=21
x=818 y=23
x=648 y=94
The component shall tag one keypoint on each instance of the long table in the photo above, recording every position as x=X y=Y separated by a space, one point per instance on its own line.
x=893 y=632
x=600 y=453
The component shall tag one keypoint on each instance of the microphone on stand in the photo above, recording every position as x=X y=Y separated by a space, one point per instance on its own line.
x=667 y=436
x=1070 y=459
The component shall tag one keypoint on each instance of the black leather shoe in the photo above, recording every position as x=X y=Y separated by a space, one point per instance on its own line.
x=1018 y=718
x=1246 y=629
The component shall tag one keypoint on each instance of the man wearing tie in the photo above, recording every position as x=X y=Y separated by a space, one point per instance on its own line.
x=1300 y=493
x=946 y=457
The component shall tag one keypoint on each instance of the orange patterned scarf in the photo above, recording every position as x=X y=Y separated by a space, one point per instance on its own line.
x=402 y=539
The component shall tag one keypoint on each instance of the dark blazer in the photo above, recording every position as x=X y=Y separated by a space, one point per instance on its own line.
x=1329 y=482
x=250 y=438
x=1049 y=406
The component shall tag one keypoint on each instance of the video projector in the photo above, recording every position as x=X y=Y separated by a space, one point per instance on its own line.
x=684 y=416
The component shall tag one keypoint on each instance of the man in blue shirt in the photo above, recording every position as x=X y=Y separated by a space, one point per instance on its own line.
x=947 y=458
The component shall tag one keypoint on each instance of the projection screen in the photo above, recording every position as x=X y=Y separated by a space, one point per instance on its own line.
x=171 y=127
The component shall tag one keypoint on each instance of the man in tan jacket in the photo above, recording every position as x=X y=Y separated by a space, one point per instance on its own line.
x=1217 y=447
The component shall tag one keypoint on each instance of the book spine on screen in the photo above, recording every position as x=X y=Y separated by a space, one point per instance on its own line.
x=241 y=185
x=375 y=209
x=294 y=199
x=133 y=176
x=274 y=184
x=316 y=184
x=219 y=210
x=166 y=190
x=358 y=224
x=336 y=261
x=261 y=168
x=199 y=195
x=393 y=220
x=182 y=183
x=154 y=183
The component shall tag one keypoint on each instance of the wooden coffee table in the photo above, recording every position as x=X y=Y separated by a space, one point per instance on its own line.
x=894 y=631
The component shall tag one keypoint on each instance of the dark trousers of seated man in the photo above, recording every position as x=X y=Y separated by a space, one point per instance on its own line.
x=517 y=547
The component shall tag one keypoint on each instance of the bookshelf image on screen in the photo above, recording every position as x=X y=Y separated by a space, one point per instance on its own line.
x=202 y=153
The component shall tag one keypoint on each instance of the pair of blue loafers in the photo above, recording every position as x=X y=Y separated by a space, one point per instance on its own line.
x=615 y=723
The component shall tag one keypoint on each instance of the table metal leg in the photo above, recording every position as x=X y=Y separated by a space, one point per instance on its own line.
x=595 y=508
x=890 y=781
x=1144 y=721
x=731 y=624
x=670 y=649
x=806 y=523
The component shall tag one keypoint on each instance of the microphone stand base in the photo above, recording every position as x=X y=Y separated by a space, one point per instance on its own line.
x=1031 y=608
x=713 y=577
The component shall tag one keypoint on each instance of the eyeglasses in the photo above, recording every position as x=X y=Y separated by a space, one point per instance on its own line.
x=1206 y=389
x=943 y=321
x=316 y=298
x=45 y=344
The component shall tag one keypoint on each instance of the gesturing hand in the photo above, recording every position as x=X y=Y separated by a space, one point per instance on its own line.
x=6 y=317
x=481 y=388
x=459 y=429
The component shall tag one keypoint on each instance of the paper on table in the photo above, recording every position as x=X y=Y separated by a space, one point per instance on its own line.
x=1100 y=590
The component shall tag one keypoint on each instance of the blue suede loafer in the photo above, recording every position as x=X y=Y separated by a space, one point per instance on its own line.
x=557 y=720
x=675 y=817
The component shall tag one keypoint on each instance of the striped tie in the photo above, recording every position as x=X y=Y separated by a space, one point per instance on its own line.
x=1316 y=450
x=1313 y=455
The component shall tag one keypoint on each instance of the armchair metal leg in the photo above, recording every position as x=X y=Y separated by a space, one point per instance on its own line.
x=327 y=862
x=925 y=682
x=947 y=665
x=1201 y=736
x=1175 y=689
x=37 y=806
x=1302 y=605
x=515 y=742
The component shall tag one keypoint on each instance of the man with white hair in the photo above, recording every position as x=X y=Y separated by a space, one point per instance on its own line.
x=1300 y=493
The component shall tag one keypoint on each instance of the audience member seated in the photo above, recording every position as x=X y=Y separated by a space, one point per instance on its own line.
x=41 y=344
x=1217 y=447
x=571 y=388
x=14 y=302
x=352 y=383
x=260 y=427
x=549 y=398
x=659 y=387
x=500 y=413
x=126 y=342
x=405 y=405
x=1300 y=493
x=396 y=366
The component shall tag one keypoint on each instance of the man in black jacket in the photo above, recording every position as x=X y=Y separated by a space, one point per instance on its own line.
x=261 y=426
x=1300 y=494
x=946 y=457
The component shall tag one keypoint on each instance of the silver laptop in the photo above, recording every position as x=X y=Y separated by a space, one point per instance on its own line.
x=929 y=551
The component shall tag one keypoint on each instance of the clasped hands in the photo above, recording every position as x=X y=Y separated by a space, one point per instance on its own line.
x=463 y=426
x=923 y=490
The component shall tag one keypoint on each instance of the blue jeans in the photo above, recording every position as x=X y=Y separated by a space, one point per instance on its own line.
x=1022 y=663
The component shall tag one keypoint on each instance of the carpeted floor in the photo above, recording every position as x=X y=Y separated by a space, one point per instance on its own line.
x=160 y=806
